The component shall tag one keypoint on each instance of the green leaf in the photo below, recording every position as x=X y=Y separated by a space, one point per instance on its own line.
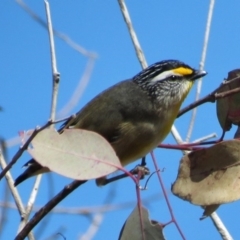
x=132 y=229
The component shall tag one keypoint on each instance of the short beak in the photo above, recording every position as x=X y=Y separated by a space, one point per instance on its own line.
x=198 y=74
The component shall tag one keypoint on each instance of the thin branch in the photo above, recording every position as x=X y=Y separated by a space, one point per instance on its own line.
x=55 y=73
x=47 y=208
x=176 y=135
x=32 y=197
x=28 y=209
x=136 y=44
x=88 y=210
x=15 y=194
x=202 y=62
x=97 y=219
x=205 y=138
x=212 y=97
x=70 y=104
x=93 y=228
x=22 y=149
x=49 y=193
x=173 y=219
x=19 y=153
x=4 y=217
x=55 y=83
x=220 y=227
x=54 y=201
x=226 y=93
x=61 y=35
x=79 y=89
x=13 y=141
x=6 y=192
x=16 y=140
x=90 y=55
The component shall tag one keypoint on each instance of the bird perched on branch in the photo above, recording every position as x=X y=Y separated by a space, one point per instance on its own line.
x=135 y=115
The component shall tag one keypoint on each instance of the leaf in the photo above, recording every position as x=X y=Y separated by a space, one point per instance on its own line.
x=131 y=229
x=228 y=108
x=210 y=176
x=76 y=153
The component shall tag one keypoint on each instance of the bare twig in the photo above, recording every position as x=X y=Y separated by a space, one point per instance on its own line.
x=4 y=218
x=47 y=208
x=176 y=135
x=6 y=192
x=32 y=197
x=13 y=141
x=173 y=219
x=16 y=140
x=136 y=44
x=25 y=145
x=79 y=89
x=55 y=73
x=205 y=138
x=212 y=97
x=22 y=149
x=93 y=228
x=54 y=201
x=55 y=83
x=90 y=55
x=62 y=36
x=97 y=219
x=202 y=62
x=28 y=209
x=220 y=227
x=49 y=192
x=89 y=210
x=15 y=194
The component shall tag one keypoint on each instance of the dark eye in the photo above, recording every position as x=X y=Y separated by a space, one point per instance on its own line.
x=174 y=77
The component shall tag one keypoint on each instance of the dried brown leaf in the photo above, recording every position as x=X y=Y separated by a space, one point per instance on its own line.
x=210 y=176
x=228 y=108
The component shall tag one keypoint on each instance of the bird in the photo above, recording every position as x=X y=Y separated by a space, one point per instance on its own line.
x=134 y=115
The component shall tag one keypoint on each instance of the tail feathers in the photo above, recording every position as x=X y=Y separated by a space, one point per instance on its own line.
x=33 y=169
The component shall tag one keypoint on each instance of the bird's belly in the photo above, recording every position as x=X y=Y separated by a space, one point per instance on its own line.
x=145 y=142
x=149 y=136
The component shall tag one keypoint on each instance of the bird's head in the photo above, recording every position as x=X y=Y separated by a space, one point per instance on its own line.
x=169 y=81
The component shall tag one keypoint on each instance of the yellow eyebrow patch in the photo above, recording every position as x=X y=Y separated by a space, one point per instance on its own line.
x=183 y=71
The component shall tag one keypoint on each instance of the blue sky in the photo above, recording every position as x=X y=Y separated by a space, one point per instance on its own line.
x=166 y=30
